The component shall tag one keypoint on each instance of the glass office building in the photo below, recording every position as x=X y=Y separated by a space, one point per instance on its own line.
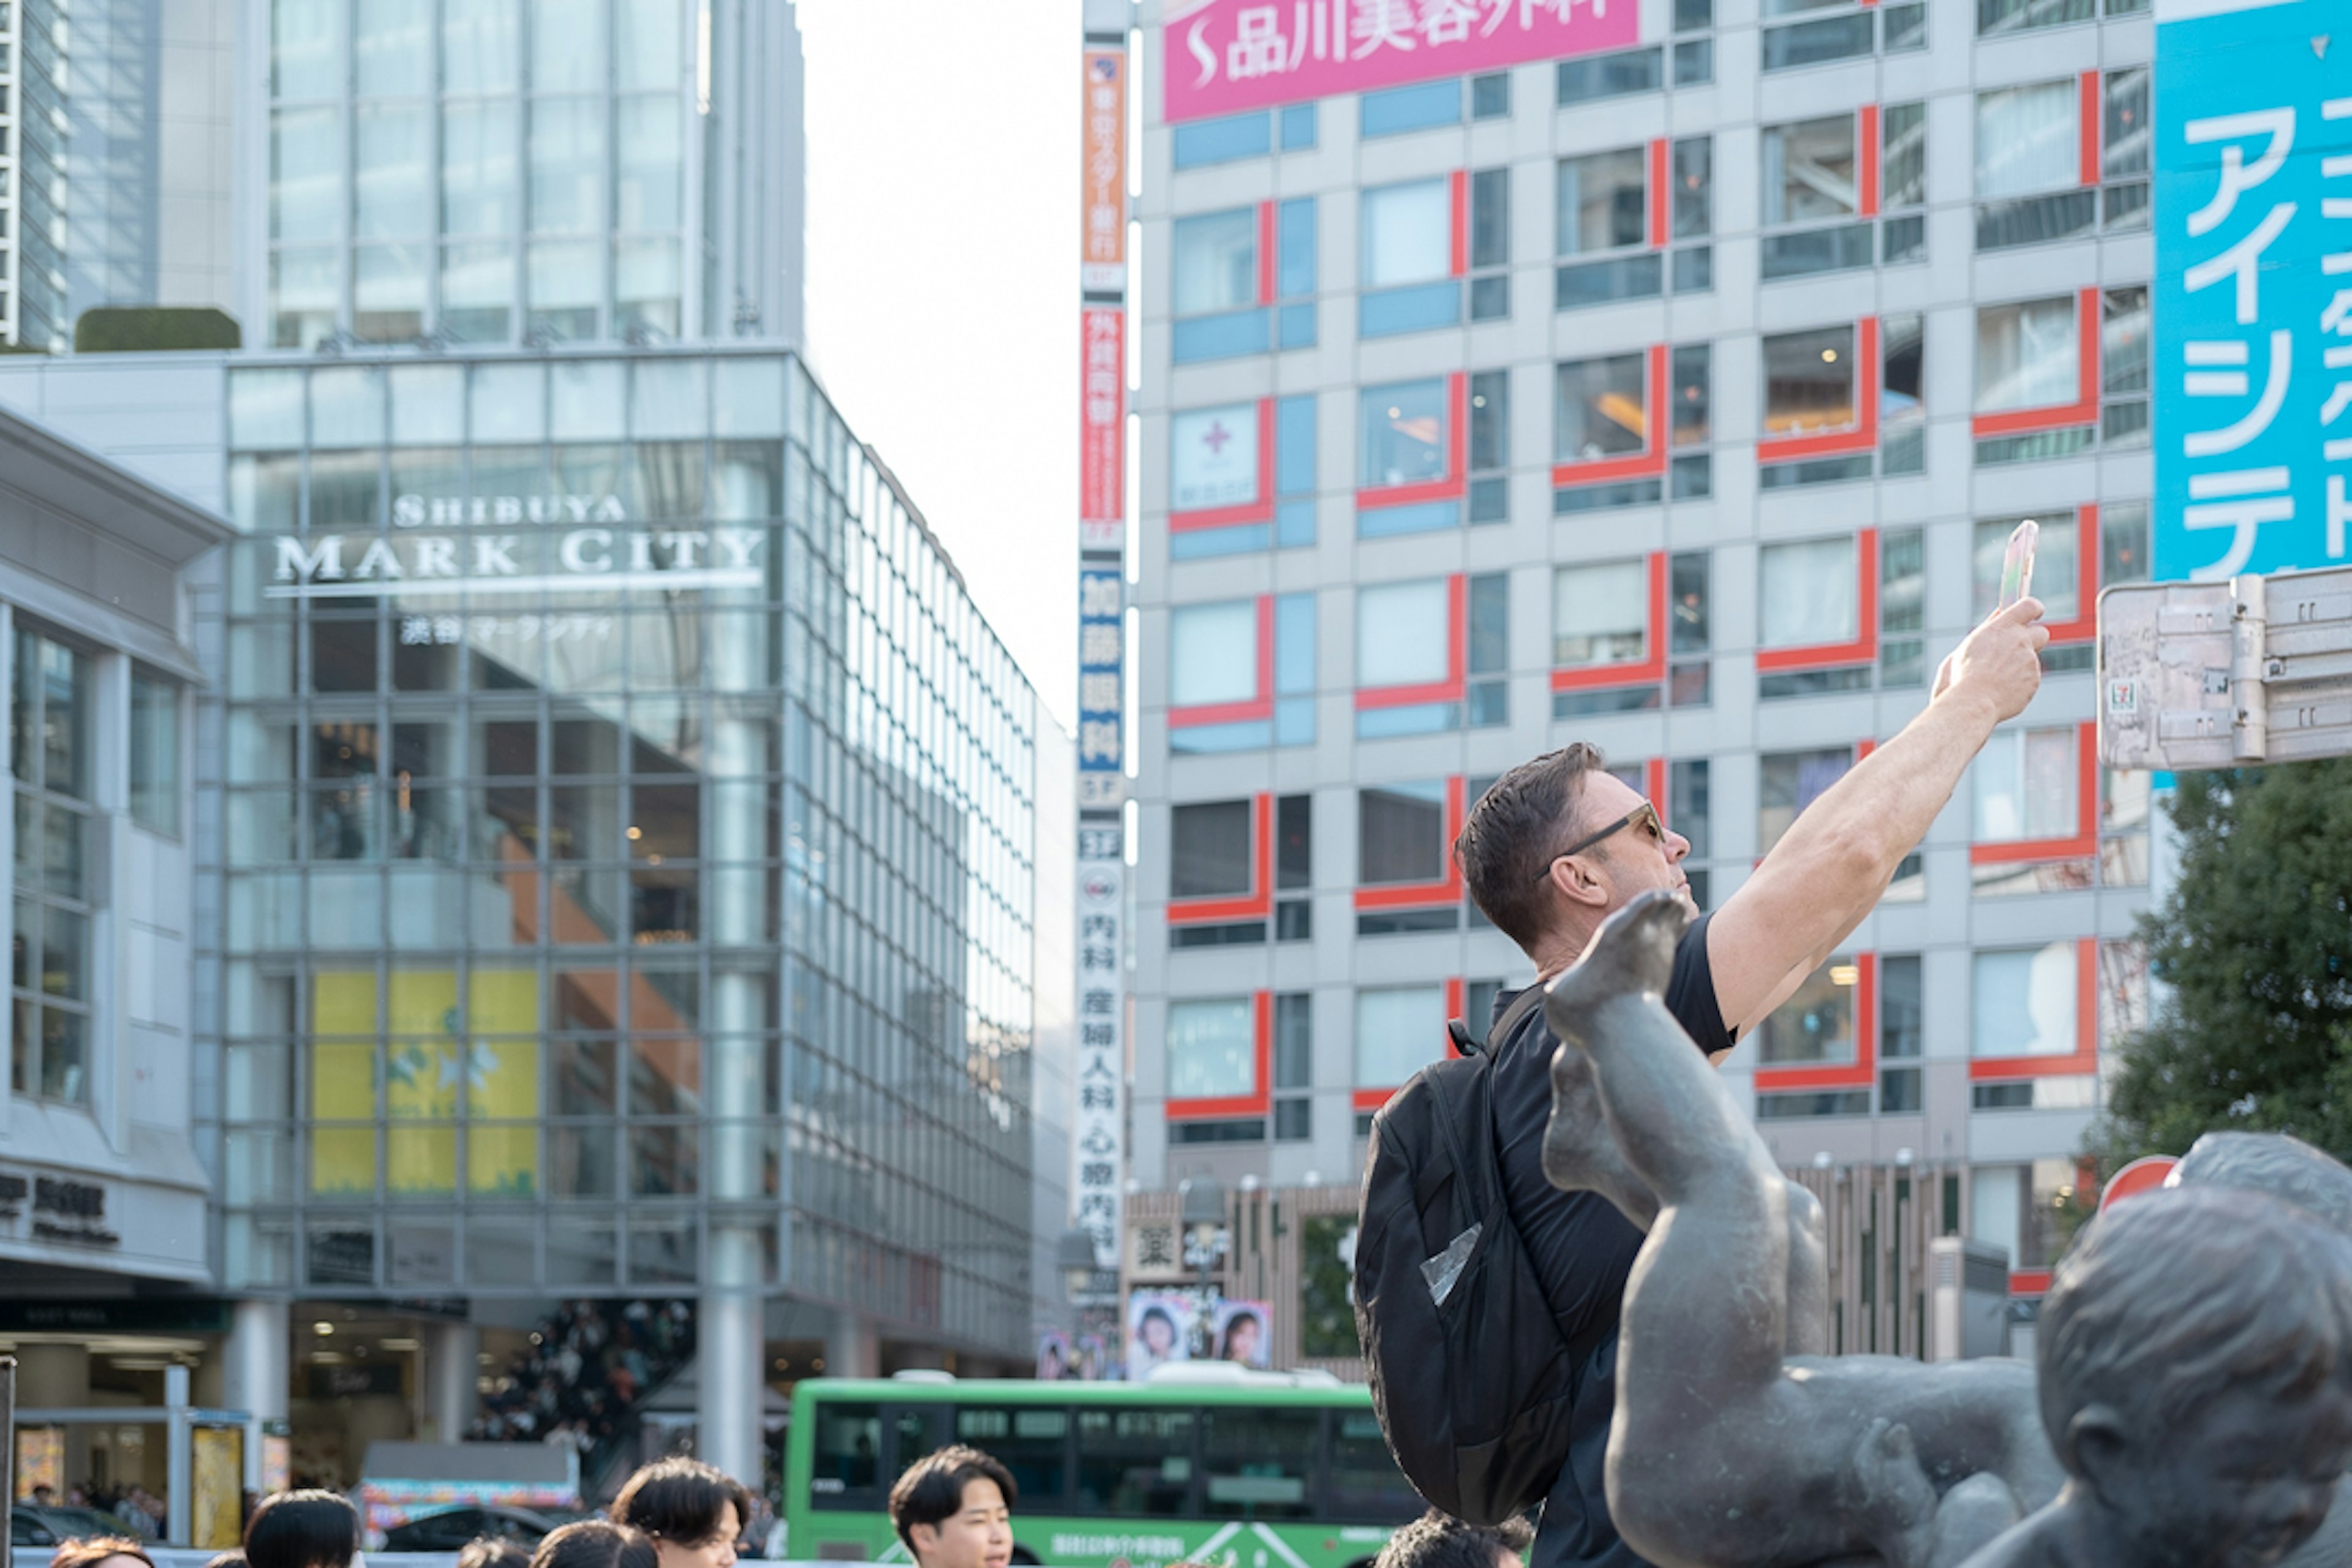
x=525 y=171
x=32 y=177
x=627 y=841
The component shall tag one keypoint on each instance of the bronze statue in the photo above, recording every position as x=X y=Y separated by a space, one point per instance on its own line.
x=2194 y=1404
x=1727 y=1450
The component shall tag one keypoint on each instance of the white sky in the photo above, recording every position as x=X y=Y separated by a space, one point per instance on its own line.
x=943 y=284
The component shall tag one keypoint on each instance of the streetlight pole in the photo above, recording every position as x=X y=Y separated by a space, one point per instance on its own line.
x=1202 y=1208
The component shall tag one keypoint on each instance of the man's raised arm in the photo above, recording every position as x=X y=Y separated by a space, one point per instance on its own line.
x=1836 y=859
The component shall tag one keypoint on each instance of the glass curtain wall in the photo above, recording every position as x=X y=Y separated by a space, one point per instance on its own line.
x=628 y=849
x=479 y=170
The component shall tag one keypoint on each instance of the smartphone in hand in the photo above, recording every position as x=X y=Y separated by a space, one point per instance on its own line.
x=2017 y=564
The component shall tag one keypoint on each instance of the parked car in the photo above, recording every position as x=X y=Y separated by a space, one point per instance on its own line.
x=452 y=1527
x=23 y=1530
x=74 y=1523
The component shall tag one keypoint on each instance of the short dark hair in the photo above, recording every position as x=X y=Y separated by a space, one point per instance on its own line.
x=595 y=1543
x=932 y=1490
x=2278 y=1164
x=95 y=1549
x=1507 y=842
x=1438 y=1539
x=491 y=1552
x=307 y=1529
x=2172 y=1298
x=679 y=1500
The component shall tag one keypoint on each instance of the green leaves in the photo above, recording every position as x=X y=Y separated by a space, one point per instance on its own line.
x=2254 y=941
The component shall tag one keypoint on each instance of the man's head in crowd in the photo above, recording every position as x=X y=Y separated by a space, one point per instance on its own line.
x=1440 y=1541
x=1557 y=844
x=954 y=1509
x=694 y=1513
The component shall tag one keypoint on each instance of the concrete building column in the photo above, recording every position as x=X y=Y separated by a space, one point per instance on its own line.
x=451 y=1378
x=852 y=1349
x=255 y=1372
x=730 y=1353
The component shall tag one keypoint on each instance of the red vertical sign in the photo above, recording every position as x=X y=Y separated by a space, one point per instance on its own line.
x=1102 y=466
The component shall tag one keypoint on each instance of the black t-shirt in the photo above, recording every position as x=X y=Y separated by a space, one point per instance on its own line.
x=1582 y=1250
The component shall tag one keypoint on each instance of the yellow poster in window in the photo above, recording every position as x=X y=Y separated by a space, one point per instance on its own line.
x=217 y=1457
x=434 y=1057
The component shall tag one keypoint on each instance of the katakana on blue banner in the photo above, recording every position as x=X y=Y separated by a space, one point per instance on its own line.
x=2253 y=285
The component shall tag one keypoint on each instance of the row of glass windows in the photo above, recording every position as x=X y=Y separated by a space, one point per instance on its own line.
x=2023 y=1011
x=2026 y=792
x=1628 y=634
x=58 y=724
x=330 y=48
x=2039 y=174
x=2034 y=361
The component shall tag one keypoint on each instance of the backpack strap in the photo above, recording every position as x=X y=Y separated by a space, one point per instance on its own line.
x=1525 y=1002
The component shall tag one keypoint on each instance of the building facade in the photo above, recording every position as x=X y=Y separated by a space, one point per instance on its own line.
x=1672 y=388
x=32 y=178
x=616 y=841
x=103 y=1197
x=518 y=171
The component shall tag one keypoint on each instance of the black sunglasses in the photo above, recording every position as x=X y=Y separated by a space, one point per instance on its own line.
x=1644 y=811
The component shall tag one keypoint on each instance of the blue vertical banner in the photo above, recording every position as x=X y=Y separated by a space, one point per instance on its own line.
x=1102 y=688
x=2253 y=285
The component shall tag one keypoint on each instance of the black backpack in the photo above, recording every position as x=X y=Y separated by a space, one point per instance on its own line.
x=1470 y=1377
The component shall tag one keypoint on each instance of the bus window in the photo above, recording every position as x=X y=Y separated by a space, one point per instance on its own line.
x=918 y=1429
x=1133 y=1462
x=1258 y=1464
x=1365 y=1485
x=845 y=1470
x=1032 y=1443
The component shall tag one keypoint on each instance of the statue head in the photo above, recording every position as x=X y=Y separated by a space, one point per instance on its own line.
x=2277 y=1163
x=2195 y=1358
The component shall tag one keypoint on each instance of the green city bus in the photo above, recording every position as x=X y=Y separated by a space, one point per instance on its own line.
x=1206 y=1464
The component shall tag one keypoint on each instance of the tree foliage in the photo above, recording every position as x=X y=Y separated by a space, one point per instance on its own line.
x=2253 y=948
x=134 y=329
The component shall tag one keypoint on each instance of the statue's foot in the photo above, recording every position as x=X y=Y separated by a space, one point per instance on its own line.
x=1579 y=1154
x=1632 y=952
x=1889 y=1497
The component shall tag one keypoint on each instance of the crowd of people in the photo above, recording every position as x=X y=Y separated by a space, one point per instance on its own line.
x=672 y=1513
x=135 y=1506
x=585 y=1369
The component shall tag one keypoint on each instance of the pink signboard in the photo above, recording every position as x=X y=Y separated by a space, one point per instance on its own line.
x=1226 y=56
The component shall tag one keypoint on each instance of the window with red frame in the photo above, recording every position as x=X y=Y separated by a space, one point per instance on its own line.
x=2047 y=818
x=1844 y=401
x=1823 y=191
x=1630 y=634
x=2080 y=552
x=1432 y=655
x=2056 y=375
x=1843 y=614
x=1400 y=1029
x=1405 y=876
x=2059 y=159
x=1818 y=1026
x=1214 y=1071
x=1619 y=213
x=1623 y=423
x=2033 y=1022
x=1226 y=880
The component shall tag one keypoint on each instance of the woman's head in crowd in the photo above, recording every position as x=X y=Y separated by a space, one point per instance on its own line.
x=303 y=1529
x=596 y=1544
x=102 y=1552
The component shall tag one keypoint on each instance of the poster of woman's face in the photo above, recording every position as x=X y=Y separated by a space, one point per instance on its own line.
x=1054 y=1357
x=1244 y=1334
x=1157 y=1331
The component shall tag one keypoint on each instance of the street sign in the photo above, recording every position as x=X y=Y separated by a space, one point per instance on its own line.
x=2229 y=674
x=2145 y=1174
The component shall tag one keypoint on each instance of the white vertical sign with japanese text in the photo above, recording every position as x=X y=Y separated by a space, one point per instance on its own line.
x=1099 y=1132
x=1098 y=1122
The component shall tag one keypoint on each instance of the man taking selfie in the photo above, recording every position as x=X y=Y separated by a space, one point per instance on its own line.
x=1556 y=845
